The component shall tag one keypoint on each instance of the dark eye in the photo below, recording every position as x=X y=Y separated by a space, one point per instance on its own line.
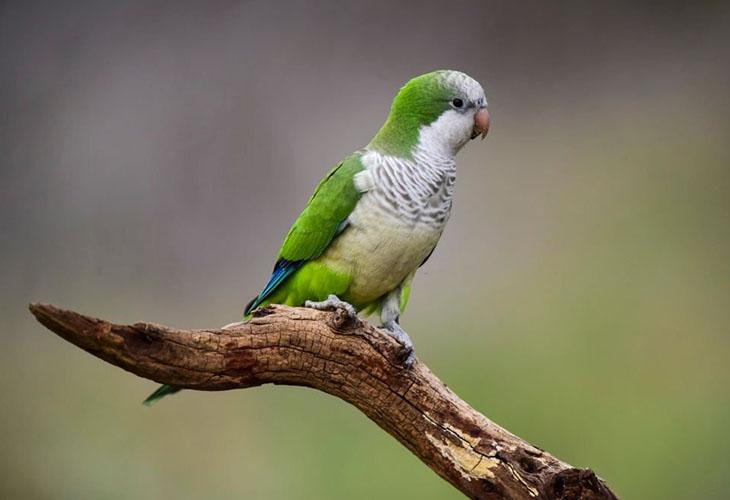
x=458 y=103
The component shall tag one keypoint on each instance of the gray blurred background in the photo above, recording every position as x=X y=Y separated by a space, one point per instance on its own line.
x=154 y=154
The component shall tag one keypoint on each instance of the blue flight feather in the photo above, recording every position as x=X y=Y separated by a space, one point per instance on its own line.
x=282 y=270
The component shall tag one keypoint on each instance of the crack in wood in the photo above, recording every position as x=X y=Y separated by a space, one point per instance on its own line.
x=351 y=360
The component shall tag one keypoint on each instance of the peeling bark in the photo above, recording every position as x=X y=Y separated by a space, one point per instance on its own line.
x=351 y=360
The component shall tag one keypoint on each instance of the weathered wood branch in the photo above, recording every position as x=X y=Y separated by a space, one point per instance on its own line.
x=351 y=360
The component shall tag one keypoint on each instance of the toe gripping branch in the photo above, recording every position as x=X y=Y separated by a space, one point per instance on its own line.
x=345 y=311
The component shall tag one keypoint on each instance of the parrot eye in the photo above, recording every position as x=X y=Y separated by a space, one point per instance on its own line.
x=457 y=103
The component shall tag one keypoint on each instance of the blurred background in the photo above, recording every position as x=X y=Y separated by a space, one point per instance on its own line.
x=154 y=154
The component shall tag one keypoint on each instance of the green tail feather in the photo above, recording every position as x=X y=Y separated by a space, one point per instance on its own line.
x=160 y=393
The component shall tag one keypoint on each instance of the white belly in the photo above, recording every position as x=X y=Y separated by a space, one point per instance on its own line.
x=378 y=250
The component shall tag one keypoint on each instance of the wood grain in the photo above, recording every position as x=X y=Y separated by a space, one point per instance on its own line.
x=351 y=360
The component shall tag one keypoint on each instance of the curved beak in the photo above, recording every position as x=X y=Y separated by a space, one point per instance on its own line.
x=481 y=123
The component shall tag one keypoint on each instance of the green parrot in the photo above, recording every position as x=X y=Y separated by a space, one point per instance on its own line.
x=377 y=216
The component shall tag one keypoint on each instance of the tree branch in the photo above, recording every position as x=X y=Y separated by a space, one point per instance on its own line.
x=353 y=361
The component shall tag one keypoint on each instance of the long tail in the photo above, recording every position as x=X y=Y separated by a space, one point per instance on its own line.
x=161 y=392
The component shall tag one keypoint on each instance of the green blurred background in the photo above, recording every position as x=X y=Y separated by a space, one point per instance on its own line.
x=153 y=156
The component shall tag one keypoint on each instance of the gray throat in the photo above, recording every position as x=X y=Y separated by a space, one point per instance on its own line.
x=416 y=191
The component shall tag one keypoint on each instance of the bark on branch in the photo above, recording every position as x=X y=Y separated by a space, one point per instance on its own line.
x=353 y=361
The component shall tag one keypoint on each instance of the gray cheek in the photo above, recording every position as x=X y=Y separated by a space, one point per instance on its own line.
x=466 y=126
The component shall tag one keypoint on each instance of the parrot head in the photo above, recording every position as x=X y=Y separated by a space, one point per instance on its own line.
x=439 y=111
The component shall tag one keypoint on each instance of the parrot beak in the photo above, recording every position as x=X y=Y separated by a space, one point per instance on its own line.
x=481 y=123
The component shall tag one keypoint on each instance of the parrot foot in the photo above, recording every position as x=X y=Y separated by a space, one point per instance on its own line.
x=333 y=303
x=393 y=329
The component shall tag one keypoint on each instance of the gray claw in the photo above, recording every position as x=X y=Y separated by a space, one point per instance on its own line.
x=393 y=329
x=332 y=303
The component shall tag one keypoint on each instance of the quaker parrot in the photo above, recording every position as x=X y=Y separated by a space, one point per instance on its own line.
x=377 y=216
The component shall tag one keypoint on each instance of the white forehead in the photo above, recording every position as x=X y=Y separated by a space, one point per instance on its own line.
x=465 y=84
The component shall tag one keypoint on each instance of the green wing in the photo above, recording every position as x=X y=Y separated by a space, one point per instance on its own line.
x=330 y=205
x=322 y=219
